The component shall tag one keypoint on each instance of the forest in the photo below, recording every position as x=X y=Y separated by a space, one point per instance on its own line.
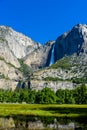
x=45 y=96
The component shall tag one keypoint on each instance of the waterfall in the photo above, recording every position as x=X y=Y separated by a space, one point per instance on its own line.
x=52 y=61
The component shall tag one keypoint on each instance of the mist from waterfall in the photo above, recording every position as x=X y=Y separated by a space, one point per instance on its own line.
x=52 y=61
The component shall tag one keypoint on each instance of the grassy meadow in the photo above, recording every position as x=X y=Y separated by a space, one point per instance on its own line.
x=43 y=110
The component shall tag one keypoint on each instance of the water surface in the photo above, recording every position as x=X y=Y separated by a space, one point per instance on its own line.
x=45 y=123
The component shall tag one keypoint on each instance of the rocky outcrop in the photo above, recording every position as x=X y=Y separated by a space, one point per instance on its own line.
x=54 y=85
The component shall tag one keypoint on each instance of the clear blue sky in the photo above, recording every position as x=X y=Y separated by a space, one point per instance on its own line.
x=42 y=20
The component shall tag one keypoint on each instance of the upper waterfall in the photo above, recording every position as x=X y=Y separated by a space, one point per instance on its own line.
x=52 y=61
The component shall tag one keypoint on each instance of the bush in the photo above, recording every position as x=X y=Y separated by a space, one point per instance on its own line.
x=46 y=96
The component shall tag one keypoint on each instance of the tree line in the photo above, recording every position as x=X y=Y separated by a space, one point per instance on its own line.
x=45 y=96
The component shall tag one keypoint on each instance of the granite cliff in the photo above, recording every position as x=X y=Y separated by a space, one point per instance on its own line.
x=16 y=47
x=70 y=57
x=13 y=46
x=56 y=64
x=74 y=41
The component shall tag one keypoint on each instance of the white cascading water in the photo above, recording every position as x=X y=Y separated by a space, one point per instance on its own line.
x=52 y=61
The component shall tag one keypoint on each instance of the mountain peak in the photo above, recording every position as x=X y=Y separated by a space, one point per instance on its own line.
x=14 y=45
x=74 y=42
x=19 y=44
x=81 y=28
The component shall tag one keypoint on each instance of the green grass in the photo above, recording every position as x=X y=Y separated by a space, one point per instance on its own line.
x=43 y=110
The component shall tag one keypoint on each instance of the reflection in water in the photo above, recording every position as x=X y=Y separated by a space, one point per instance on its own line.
x=38 y=123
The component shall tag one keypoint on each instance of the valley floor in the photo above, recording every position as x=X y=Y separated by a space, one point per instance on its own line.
x=53 y=110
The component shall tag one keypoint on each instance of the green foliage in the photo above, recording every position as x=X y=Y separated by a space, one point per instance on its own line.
x=65 y=96
x=6 y=96
x=46 y=96
x=15 y=97
x=24 y=68
x=80 y=94
x=63 y=63
x=2 y=76
x=24 y=95
x=80 y=80
x=1 y=58
x=60 y=96
x=52 y=79
x=3 y=39
x=32 y=96
x=69 y=98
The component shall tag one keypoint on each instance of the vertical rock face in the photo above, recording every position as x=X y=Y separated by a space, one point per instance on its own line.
x=74 y=41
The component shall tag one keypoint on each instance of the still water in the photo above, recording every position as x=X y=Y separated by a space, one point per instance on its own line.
x=42 y=123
